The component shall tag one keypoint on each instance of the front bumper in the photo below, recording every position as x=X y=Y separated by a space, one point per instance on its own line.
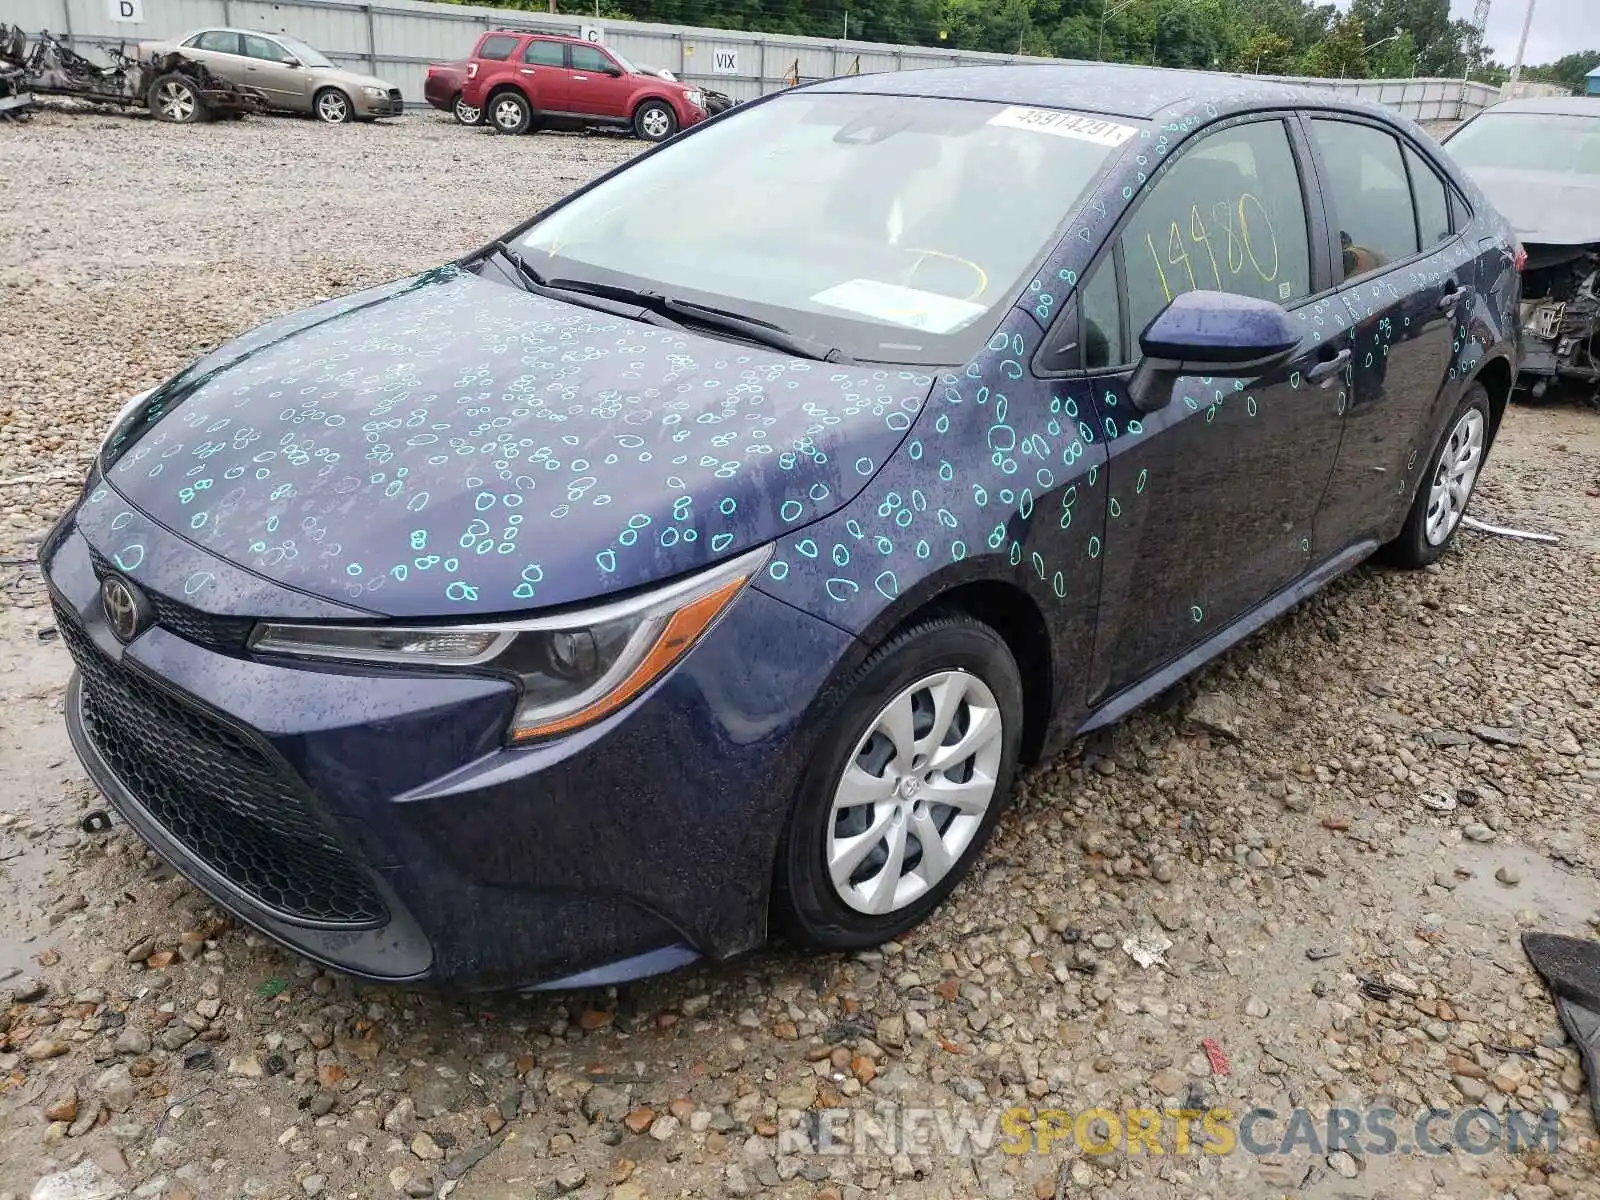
x=628 y=847
x=391 y=105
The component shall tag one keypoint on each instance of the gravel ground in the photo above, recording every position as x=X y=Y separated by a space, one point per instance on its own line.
x=1387 y=786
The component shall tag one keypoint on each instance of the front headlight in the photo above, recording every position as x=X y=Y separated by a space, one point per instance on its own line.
x=573 y=669
x=123 y=414
x=696 y=98
x=377 y=93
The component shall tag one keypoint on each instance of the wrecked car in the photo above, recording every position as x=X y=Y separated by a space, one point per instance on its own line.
x=172 y=86
x=1538 y=161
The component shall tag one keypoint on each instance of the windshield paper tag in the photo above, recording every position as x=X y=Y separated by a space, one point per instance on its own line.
x=1065 y=124
x=911 y=307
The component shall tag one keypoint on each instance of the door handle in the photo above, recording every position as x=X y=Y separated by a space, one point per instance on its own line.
x=525 y=70
x=1325 y=370
x=580 y=78
x=1452 y=298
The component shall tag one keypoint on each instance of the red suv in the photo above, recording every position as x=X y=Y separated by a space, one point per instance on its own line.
x=523 y=80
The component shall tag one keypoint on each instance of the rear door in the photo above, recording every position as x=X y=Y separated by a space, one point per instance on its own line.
x=219 y=50
x=597 y=89
x=1211 y=501
x=264 y=67
x=1405 y=286
x=543 y=73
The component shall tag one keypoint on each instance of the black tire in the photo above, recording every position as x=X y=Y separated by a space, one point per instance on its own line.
x=175 y=98
x=464 y=113
x=808 y=907
x=509 y=112
x=1414 y=548
x=654 y=121
x=332 y=107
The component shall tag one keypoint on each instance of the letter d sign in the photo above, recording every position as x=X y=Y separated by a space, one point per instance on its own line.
x=130 y=12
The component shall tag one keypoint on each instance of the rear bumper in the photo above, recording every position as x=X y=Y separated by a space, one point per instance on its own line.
x=626 y=848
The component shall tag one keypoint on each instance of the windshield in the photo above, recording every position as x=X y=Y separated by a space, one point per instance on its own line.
x=894 y=228
x=307 y=56
x=1530 y=142
x=622 y=62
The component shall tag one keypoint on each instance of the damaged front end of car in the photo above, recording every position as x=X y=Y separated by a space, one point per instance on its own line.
x=1560 y=316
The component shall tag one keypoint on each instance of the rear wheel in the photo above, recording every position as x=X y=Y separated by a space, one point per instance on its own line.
x=1446 y=489
x=510 y=112
x=331 y=106
x=905 y=786
x=466 y=113
x=175 y=98
x=654 y=121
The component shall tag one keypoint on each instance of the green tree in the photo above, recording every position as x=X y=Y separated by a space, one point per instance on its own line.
x=1570 y=71
x=1342 y=53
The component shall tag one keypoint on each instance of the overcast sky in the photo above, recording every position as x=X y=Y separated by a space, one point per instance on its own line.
x=1559 y=27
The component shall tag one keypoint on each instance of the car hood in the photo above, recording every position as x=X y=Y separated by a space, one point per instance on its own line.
x=1547 y=207
x=447 y=445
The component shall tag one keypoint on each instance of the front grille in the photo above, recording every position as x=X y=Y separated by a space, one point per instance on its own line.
x=227 y=634
x=394 y=94
x=229 y=800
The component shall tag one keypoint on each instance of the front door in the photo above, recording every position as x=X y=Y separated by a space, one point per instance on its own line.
x=1211 y=500
x=1406 y=285
x=265 y=68
x=596 y=91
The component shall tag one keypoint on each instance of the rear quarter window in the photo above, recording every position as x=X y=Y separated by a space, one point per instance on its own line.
x=497 y=47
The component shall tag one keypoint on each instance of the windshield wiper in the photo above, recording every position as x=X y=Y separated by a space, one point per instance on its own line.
x=751 y=328
x=539 y=286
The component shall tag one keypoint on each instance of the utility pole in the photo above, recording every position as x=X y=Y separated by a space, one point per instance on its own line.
x=1522 y=46
x=846 y=25
x=1480 y=22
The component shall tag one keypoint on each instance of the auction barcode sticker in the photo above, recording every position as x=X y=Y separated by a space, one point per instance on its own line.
x=1065 y=124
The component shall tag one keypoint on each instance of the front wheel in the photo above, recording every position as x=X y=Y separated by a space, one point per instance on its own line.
x=655 y=121
x=466 y=113
x=510 y=112
x=331 y=106
x=904 y=787
x=1446 y=489
x=175 y=98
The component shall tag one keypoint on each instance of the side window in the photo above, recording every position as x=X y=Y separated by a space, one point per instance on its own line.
x=498 y=47
x=1370 y=196
x=545 y=54
x=259 y=47
x=587 y=58
x=218 y=40
x=1433 y=204
x=1102 y=319
x=1228 y=215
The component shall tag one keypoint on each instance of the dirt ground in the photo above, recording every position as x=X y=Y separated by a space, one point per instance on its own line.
x=1332 y=839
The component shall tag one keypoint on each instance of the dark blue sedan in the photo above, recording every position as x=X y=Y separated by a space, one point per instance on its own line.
x=704 y=557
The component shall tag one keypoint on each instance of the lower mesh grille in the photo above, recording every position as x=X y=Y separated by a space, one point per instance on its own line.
x=230 y=801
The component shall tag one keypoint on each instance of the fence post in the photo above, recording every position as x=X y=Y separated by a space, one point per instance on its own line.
x=761 y=67
x=227 y=15
x=66 y=19
x=372 y=40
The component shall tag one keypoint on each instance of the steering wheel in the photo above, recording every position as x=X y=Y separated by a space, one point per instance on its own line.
x=922 y=255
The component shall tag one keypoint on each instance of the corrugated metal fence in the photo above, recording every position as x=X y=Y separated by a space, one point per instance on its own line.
x=397 y=39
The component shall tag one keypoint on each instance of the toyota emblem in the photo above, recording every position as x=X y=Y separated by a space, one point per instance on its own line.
x=125 y=607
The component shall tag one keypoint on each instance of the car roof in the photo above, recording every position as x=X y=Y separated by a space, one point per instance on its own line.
x=1551 y=106
x=534 y=33
x=1111 y=88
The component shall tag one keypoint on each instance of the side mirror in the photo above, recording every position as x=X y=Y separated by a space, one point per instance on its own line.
x=612 y=70
x=290 y=62
x=1209 y=333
